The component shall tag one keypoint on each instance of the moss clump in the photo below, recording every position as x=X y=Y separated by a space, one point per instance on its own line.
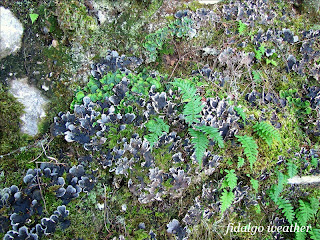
x=10 y=113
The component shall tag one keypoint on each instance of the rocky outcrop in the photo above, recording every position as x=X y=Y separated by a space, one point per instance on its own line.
x=33 y=103
x=11 y=31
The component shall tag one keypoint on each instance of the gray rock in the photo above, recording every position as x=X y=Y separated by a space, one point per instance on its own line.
x=11 y=31
x=209 y=1
x=33 y=102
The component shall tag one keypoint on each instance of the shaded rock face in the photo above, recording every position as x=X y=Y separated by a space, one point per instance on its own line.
x=209 y=1
x=11 y=31
x=33 y=103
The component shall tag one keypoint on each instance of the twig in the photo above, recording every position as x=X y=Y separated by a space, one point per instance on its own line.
x=182 y=58
x=105 y=215
x=21 y=149
x=45 y=153
x=44 y=202
x=57 y=163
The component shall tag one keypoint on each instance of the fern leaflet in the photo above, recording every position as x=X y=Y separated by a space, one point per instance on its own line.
x=261 y=50
x=250 y=148
x=277 y=189
x=254 y=183
x=256 y=76
x=241 y=113
x=192 y=111
x=230 y=179
x=157 y=127
x=213 y=133
x=315 y=234
x=226 y=200
x=314 y=204
x=267 y=132
x=188 y=90
x=273 y=62
x=300 y=235
x=292 y=169
x=241 y=27
x=287 y=208
x=200 y=142
x=240 y=162
x=304 y=213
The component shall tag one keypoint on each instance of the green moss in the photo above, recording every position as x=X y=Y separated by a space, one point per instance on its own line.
x=10 y=113
x=193 y=6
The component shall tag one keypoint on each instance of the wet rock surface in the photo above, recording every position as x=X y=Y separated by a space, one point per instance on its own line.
x=33 y=103
x=11 y=31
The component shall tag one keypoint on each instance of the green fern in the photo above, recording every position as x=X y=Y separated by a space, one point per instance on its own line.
x=200 y=142
x=256 y=76
x=267 y=132
x=255 y=184
x=226 y=200
x=192 y=111
x=300 y=235
x=241 y=27
x=157 y=127
x=187 y=88
x=314 y=204
x=287 y=208
x=271 y=61
x=191 y=114
x=259 y=53
x=315 y=234
x=250 y=148
x=241 y=113
x=240 y=162
x=213 y=133
x=230 y=179
x=194 y=105
x=276 y=190
x=304 y=213
x=292 y=169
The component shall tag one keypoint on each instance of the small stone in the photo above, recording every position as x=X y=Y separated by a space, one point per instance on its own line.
x=124 y=207
x=33 y=102
x=54 y=43
x=11 y=31
x=142 y=225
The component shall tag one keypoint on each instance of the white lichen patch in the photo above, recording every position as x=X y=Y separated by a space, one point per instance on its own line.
x=304 y=180
x=209 y=1
x=33 y=103
x=11 y=31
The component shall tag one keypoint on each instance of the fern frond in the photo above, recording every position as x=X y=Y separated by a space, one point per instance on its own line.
x=256 y=76
x=192 y=111
x=292 y=169
x=152 y=139
x=200 y=142
x=300 y=235
x=314 y=204
x=277 y=189
x=240 y=162
x=241 y=113
x=157 y=127
x=314 y=234
x=231 y=179
x=259 y=53
x=187 y=88
x=287 y=208
x=267 y=132
x=241 y=27
x=250 y=148
x=213 y=133
x=226 y=200
x=304 y=213
x=254 y=183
